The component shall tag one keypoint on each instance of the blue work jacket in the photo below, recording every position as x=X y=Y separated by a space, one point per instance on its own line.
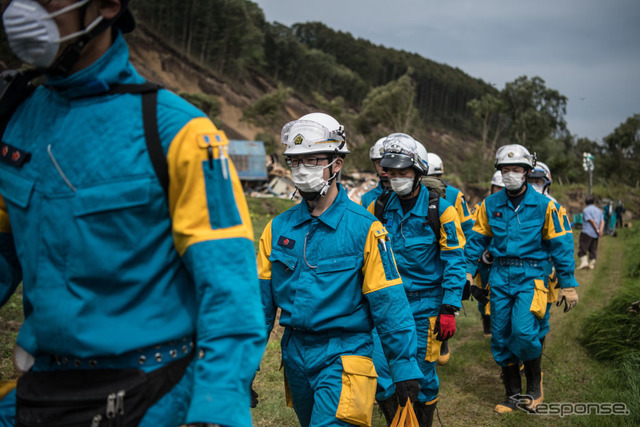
x=424 y=259
x=457 y=200
x=336 y=273
x=371 y=195
x=533 y=231
x=109 y=264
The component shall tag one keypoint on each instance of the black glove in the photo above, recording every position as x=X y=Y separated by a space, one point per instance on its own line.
x=407 y=389
x=466 y=291
x=254 y=397
x=481 y=295
x=445 y=322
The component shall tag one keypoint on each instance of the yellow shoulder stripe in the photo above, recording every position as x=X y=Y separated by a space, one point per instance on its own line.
x=187 y=192
x=450 y=215
x=264 y=253
x=379 y=269
x=482 y=222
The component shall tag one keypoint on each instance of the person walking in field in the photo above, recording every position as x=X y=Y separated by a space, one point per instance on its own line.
x=592 y=229
x=523 y=232
x=328 y=265
x=427 y=239
x=125 y=221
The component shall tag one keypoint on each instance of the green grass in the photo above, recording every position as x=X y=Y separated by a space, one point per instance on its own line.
x=469 y=384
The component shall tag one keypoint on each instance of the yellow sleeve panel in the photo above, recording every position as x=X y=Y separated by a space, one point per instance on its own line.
x=552 y=227
x=482 y=222
x=379 y=269
x=264 y=253
x=474 y=211
x=564 y=218
x=5 y=226
x=450 y=239
x=460 y=209
x=189 y=207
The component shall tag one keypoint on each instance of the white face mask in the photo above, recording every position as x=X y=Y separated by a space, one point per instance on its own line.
x=402 y=186
x=513 y=180
x=33 y=34
x=538 y=187
x=310 y=179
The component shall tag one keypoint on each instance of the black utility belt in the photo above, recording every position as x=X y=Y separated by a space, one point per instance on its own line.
x=93 y=398
x=520 y=261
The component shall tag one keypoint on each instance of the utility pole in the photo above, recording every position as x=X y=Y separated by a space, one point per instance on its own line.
x=587 y=164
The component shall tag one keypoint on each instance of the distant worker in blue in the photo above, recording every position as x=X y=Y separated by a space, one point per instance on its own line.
x=328 y=265
x=428 y=243
x=592 y=229
x=126 y=223
x=375 y=154
x=456 y=198
x=523 y=231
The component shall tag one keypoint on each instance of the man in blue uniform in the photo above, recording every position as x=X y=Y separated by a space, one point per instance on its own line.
x=523 y=231
x=328 y=265
x=135 y=251
x=375 y=154
x=428 y=242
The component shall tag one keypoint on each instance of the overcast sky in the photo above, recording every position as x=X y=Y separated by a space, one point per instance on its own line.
x=588 y=50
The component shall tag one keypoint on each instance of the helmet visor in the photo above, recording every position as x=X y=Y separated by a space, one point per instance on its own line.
x=308 y=132
x=396 y=161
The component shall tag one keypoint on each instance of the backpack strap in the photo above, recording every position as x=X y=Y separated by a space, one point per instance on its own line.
x=381 y=204
x=433 y=214
x=149 y=92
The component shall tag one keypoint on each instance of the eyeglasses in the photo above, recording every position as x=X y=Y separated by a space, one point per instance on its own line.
x=307 y=161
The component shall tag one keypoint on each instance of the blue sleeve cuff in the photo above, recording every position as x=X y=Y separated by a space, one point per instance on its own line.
x=568 y=282
x=224 y=407
x=408 y=370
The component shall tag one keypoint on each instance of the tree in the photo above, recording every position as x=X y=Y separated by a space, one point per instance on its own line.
x=391 y=105
x=535 y=112
x=490 y=111
x=623 y=146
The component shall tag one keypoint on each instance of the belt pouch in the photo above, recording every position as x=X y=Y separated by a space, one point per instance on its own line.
x=93 y=398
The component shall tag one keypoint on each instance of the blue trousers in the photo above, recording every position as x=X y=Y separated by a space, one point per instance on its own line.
x=515 y=330
x=425 y=306
x=315 y=372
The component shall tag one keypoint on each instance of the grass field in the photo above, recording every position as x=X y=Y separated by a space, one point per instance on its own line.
x=469 y=384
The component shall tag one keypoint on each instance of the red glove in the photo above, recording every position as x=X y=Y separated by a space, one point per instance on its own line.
x=445 y=323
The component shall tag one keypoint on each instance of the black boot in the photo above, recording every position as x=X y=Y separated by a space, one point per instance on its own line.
x=388 y=408
x=513 y=388
x=533 y=373
x=424 y=413
x=486 y=325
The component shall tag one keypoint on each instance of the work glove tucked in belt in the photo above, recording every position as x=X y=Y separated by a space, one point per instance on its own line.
x=407 y=389
x=445 y=323
x=568 y=297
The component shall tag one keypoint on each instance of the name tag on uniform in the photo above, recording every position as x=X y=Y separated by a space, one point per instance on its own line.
x=286 y=242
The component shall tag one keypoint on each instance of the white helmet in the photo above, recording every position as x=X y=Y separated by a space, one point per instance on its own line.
x=516 y=155
x=541 y=170
x=402 y=151
x=376 y=152
x=314 y=133
x=497 y=179
x=435 y=164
